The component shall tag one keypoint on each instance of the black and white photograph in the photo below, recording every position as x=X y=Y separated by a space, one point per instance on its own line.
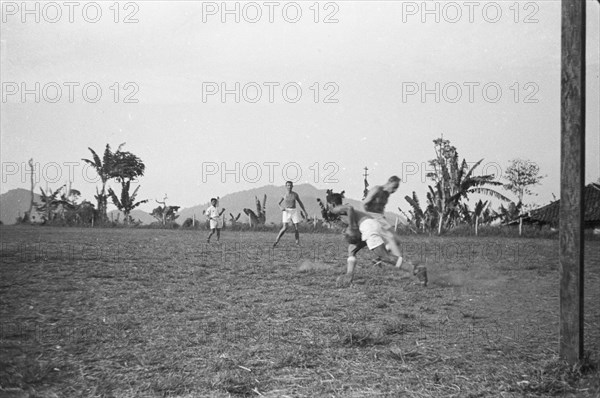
x=311 y=198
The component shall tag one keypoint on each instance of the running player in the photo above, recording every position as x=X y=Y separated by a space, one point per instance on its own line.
x=215 y=220
x=363 y=231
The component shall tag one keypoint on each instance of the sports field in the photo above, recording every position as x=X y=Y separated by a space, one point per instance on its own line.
x=157 y=313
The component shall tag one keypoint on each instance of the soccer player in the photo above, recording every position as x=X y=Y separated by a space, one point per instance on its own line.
x=374 y=204
x=363 y=231
x=215 y=220
x=290 y=212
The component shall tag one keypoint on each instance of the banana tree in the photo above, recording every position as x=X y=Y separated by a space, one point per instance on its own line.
x=454 y=182
x=165 y=214
x=126 y=203
x=261 y=210
x=105 y=169
x=125 y=168
x=479 y=213
x=417 y=215
x=51 y=201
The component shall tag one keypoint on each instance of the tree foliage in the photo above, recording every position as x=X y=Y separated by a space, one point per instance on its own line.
x=51 y=200
x=105 y=169
x=165 y=214
x=124 y=167
x=521 y=175
x=331 y=200
x=260 y=217
x=126 y=203
x=453 y=182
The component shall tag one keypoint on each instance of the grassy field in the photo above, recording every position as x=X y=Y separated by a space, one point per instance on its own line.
x=155 y=313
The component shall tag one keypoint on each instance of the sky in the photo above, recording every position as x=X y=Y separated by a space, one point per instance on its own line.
x=307 y=91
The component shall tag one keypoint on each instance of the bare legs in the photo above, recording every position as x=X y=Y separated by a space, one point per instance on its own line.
x=282 y=231
x=383 y=256
x=212 y=231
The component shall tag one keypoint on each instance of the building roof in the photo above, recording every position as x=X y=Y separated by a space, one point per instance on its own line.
x=550 y=213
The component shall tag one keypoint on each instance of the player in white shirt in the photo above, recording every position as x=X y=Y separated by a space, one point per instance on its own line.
x=215 y=219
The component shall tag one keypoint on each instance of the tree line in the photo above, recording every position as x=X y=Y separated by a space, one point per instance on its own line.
x=446 y=206
x=61 y=205
x=453 y=181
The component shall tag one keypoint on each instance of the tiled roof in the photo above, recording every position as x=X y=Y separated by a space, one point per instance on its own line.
x=550 y=213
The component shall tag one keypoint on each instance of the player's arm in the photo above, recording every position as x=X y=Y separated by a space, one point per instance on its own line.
x=301 y=205
x=347 y=210
x=343 y=210
x=221 y=213
x=372 y=193
x=279 y=203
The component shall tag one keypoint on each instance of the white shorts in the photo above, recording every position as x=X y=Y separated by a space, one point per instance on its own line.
x=292 y=215
x=370 y=232
x=216 y=223
x=387 y=233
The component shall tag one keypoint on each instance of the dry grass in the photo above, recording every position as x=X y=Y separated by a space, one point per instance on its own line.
x=155 y=313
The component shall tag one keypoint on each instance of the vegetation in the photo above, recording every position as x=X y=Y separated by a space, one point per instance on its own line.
x=50 y=203
x=165 y=214
x=521 y=175
x=453 y=182
x=105 y=169
x=260 y=217
x=330 y=219
x=126 y=168
x=446 y=207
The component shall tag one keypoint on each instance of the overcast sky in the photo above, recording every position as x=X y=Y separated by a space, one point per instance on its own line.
x=317 y=101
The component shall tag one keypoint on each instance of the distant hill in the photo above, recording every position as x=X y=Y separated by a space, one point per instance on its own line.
x=15 y=203
x=136 y=214
x=235 y=203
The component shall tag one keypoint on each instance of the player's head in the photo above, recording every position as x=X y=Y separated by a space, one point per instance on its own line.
x=352 y=236
x=213 y=201
x=335 y=199
x=392 y=184
x=289 y=185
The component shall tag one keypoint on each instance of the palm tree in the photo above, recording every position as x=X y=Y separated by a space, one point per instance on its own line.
x=254 y=220
x=127 y=202
x=417 y=215
x=508 y=214
x=125 y=168
x=50 y=203
x=454 y=182
x=69 y=206
x=105 y=169
x=479 y=213
x=261 y=210
x=165 y=214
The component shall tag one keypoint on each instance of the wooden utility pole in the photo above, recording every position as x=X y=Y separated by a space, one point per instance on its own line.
x=366 y=190
x=571 y=238
x=28 y=215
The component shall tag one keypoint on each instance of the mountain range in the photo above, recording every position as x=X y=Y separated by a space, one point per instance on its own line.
x=236 y=202
x=16 y=201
